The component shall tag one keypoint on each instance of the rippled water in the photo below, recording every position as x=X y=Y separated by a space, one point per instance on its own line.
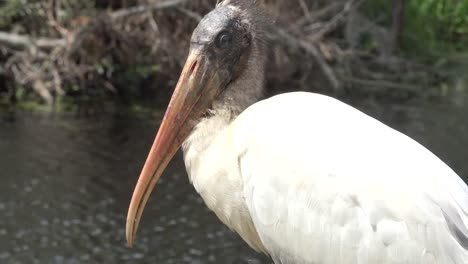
x=66 y=181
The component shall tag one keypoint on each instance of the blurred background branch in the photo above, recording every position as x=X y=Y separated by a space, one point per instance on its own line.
x=134 y=48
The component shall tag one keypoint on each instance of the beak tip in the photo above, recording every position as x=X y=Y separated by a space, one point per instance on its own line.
x=130 y=242
x=130 y=236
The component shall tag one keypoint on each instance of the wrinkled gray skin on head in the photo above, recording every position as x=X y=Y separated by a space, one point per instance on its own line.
x=226 y=38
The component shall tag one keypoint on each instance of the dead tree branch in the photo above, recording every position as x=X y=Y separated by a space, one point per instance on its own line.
x=52 y=17
x=145 y=8
x=311 y=49
x=336 y=20
x=22 y=41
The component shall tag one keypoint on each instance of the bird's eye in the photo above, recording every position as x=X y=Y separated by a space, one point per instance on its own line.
x=223 y=40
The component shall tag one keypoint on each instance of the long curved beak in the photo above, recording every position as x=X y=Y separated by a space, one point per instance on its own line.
x=196 y=89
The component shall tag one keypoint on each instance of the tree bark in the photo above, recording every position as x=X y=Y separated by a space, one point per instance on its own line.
x=398 y=17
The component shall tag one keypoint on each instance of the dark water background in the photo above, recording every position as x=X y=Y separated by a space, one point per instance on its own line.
x=66 y=181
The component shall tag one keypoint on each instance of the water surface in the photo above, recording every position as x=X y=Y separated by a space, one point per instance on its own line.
x=66 y=181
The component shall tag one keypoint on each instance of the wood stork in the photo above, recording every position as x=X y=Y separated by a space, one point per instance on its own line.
x=301 y=177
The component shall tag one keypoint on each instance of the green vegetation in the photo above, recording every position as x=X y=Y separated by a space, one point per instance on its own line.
x=8 y=11
x=433 y=29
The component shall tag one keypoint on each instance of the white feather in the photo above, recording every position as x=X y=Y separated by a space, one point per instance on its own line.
x=308 y=179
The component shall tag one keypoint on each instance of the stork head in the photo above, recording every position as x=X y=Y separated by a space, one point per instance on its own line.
x=220 y=49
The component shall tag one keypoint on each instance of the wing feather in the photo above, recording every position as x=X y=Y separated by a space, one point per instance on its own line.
x=324 y=183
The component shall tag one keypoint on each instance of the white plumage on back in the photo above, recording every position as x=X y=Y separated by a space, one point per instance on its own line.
x=336 y=187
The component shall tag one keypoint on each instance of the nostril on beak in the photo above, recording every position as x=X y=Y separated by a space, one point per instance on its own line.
x=193 y=67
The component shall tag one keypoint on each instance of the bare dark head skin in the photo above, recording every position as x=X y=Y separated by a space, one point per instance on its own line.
x=224 y=40
x=224 y=65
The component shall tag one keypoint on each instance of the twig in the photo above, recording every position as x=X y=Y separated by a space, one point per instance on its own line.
x=156 y=32
x=57 y=81
x=305 y=8
x=40 y=87
x=51 y=16
x=315 y=52
x=335 y=22
x=378 y=84
x=145 y=8
x=317 y=15
x=190 y=13
x=22 y=41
